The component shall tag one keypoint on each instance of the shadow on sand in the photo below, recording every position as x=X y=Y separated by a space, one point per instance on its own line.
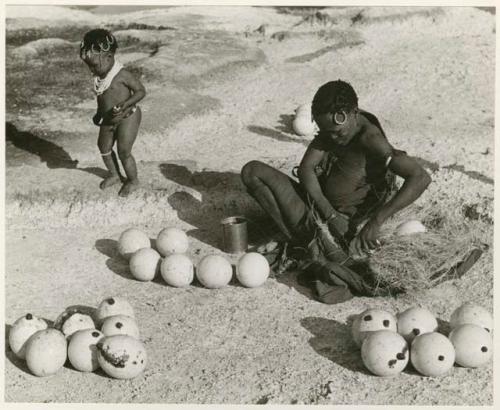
x=333 y=340
x=281 y=132
x=116 y=263
x=290 y=279
x=11 y=357
x=204 y=214
x=52 y=154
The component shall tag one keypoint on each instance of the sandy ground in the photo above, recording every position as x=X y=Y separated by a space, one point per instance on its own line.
x=220 y=93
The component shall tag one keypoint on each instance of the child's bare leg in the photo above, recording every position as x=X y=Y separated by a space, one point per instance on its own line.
x=105 y=143
x=126 y=134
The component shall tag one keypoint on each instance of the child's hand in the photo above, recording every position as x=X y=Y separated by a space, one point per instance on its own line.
x=96 y=119
x=117 y=109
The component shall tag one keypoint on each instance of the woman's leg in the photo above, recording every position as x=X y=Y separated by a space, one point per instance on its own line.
x=277 y=194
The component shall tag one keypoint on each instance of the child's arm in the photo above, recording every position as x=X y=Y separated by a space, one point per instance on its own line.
x=416 y=182
x=138 y=92
x=97 y=119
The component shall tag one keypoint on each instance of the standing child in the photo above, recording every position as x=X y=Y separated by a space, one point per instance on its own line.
x=118 y=117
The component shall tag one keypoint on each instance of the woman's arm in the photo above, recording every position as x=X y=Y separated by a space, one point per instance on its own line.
x=416 y=180
x=307 y=176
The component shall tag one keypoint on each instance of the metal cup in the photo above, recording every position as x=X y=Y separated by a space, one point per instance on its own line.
x=234 y=234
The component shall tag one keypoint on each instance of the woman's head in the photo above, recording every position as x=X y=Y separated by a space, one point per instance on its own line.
x=335 y=108
x=334 y=96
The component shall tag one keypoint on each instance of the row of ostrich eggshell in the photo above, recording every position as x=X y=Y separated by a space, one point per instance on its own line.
x=177 y=269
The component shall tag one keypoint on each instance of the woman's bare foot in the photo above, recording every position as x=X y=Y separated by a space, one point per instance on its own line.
x=128 y=187
x=109 y=181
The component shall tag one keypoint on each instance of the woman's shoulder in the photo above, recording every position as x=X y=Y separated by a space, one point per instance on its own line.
x=373 y=122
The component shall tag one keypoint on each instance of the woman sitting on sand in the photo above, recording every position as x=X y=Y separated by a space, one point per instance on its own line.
x=346 y=178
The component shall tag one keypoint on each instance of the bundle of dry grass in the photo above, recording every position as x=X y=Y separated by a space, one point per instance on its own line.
x=423 y=260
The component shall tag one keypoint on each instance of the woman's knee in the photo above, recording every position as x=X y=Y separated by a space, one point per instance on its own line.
x=250 y=171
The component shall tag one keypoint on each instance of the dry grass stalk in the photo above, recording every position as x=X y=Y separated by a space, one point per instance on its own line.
x=423 y=260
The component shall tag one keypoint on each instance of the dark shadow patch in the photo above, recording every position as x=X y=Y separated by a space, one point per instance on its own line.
x=11 y=357
x=332 y=339
x=359 y=18
x=73 y=33
x=285 y=122
x=108 y=247
x=277 y=135
x=141 y=26
x=204 y=215
x=471 y=174
x=491 y=10
x=51 y=154
x=189 y=209
x=444 y=327
x=431 y=166
x=434 y=166
x=116 y=263
x=318 y=53
x=299 y=10
x=70 y=311
x=101 y=373
x=290 y=279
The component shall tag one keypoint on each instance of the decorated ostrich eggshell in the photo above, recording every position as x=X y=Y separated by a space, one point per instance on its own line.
x=372 y=320
x=122 y=356
x=470 y=313
x=415 y=321
x=77 y=322
x=82 y=350
x=113 y=306
x=385 y=353
x=473 y=345
x=120 y=325
x=22 y=329
x=432 y=354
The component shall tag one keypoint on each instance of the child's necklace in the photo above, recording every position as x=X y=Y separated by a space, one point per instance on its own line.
x=102 y=84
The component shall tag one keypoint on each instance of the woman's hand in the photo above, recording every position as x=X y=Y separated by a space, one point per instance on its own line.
x=338 y=225
x=367 y=239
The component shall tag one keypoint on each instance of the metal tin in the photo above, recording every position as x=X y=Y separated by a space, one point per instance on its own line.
x=234 y=234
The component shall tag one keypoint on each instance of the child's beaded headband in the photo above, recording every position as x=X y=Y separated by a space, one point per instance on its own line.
x=86 y=52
